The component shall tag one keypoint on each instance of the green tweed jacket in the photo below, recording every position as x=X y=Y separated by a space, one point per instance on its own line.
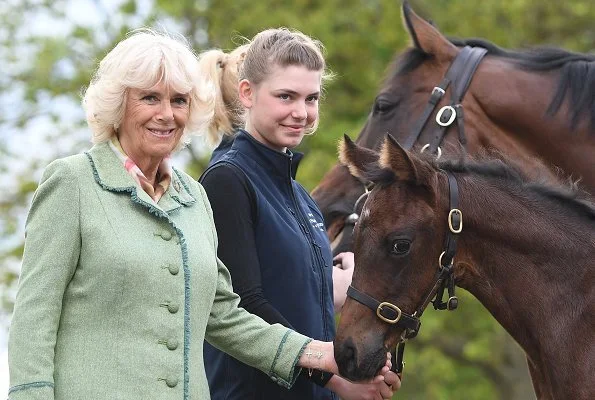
x=117 y=293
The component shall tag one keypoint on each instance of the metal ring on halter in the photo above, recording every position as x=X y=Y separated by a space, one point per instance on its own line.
x=453 y=115
x=438 y=150
x=440 y=266
x=351 y=219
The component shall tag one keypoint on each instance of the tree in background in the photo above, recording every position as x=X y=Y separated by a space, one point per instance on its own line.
x=48 y=49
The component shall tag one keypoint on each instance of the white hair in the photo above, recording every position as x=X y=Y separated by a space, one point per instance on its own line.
x=141 y=61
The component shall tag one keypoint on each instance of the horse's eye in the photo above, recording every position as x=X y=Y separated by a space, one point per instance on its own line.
x=401 y=247
x=382 y=105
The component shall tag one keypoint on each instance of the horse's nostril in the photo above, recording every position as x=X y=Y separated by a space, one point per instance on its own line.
x=346 y=356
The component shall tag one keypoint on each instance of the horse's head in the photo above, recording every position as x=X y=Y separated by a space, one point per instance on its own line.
x=523 y=104
x=396 y=110
x=398 y=240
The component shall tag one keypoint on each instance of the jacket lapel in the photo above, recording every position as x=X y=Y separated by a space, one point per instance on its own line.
x=111 y=175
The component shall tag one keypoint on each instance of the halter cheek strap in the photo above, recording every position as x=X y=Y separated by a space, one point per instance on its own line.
x=459 y=74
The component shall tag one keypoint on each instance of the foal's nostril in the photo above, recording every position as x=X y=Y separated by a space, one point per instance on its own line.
x=346 y=356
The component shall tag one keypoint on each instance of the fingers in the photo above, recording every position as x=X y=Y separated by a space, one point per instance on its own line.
x=386 y=391
x=344 y=260
x=392 y=379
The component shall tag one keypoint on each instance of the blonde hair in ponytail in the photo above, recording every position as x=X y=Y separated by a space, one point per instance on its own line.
x=222 y=70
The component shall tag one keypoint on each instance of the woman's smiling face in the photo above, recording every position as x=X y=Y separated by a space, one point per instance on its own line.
x=283 y=106
x=153 y=123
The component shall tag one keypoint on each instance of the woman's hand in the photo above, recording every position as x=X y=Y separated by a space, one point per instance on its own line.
x=378 y=389
x=343 y=265
x=344 y=260
x=321 y=355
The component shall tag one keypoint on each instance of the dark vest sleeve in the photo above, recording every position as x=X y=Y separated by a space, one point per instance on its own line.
x=234 y=210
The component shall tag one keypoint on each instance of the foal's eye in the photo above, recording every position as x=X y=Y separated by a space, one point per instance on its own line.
x=401 y=247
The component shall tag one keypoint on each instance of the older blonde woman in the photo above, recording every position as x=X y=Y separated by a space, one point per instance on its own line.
x=120 y=281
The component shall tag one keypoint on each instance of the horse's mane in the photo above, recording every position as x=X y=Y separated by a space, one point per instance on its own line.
x=568 y=196
x=577 y=72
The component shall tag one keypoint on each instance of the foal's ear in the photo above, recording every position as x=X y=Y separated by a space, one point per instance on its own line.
x=405 y=165
x=426 y=37
x=359 y=160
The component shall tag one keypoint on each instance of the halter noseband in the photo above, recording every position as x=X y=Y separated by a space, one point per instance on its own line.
x=444 y=280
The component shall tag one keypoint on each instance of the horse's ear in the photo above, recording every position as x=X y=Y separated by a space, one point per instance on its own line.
x=359 y=160
x=426 y=37
x=405 y=165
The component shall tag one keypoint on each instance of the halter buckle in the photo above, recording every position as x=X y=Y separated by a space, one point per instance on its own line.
x=391 y=306
x=438 y=91
x=455 y=212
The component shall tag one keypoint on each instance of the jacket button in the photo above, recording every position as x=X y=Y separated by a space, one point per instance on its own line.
x=171 y=382
x=172 y=344
x=173 y=269
x=173 y=308
x=165 y=235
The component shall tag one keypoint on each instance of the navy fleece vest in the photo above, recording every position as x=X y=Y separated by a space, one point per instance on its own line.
x=296 y=268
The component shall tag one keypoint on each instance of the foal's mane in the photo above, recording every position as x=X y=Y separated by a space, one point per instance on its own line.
x=569 y=196
x=576 y=78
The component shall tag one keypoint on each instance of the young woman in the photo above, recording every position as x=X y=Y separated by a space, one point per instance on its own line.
x=271 y=233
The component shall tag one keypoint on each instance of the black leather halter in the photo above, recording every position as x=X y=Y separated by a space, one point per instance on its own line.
x=444 y=280
x=458 y=77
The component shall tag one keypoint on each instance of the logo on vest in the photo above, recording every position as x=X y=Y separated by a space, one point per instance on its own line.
x=316 y=224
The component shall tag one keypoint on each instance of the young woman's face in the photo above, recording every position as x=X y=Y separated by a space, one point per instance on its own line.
x=283 y=106
x=153 y=123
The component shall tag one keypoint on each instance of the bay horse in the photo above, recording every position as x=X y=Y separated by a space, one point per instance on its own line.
x=536 y=106
x=525 y=250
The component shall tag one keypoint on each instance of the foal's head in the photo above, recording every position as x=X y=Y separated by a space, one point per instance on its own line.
x=398 y=241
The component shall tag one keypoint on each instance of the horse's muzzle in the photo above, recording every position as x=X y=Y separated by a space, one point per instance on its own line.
x=358 y=365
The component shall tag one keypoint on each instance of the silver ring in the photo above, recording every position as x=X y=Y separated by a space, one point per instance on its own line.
x=453 y=115
x=438 y=150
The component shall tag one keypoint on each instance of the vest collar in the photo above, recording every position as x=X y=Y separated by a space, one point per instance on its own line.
x=272 y=160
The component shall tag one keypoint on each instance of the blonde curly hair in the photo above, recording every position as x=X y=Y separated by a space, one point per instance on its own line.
x=142 y=60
